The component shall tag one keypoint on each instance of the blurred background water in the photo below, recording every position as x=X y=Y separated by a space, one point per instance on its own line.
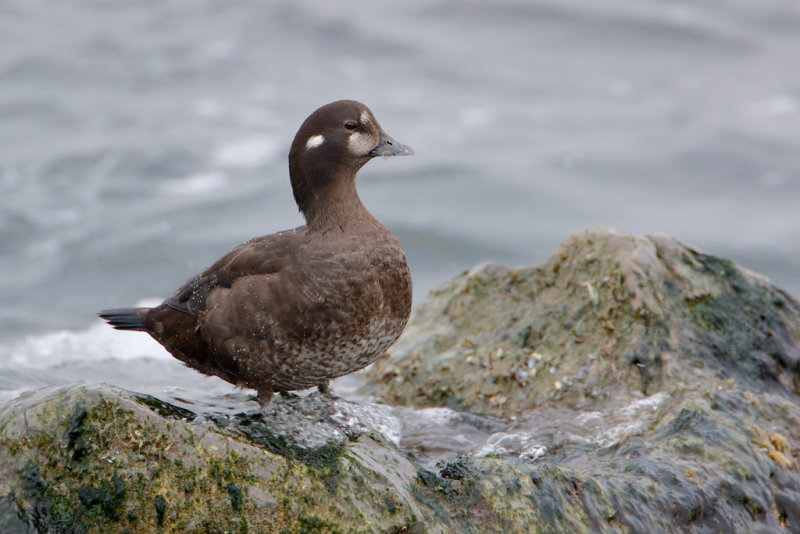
x=140 y=141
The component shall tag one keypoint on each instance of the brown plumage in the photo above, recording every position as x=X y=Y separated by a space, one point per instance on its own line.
x=294 y=309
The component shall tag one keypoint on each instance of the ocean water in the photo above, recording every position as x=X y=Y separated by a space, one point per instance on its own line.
x=141 y=141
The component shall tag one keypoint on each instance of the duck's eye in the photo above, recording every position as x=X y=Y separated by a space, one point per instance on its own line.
x=351 y=125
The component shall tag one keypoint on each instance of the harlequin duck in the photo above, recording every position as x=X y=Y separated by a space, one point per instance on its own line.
x=295 y=309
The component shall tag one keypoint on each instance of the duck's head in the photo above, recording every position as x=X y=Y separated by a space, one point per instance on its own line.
x=331 y=146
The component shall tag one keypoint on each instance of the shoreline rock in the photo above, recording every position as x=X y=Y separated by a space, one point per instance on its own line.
x=629 y=384
x=607 y=312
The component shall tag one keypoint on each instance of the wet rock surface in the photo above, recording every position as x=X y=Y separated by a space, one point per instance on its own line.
x=629 y=384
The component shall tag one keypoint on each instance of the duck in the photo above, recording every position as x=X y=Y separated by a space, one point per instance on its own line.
x=295 y=309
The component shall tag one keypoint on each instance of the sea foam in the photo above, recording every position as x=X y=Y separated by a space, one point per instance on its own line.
x=97 y=342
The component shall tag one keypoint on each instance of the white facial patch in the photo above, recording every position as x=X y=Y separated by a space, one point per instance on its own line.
x=364 y=118
x=314 y=141
x=359 y=143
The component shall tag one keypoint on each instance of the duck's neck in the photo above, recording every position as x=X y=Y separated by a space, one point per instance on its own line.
x=336 y=205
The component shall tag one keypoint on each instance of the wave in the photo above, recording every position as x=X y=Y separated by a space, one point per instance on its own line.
x=95 y=343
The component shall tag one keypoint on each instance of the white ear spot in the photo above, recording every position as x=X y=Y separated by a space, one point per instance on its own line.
x=314 y=141
x=359 y=144
x=364 y=117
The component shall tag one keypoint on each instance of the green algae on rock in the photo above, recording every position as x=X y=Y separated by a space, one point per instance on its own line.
x=608 y=312
x=142 y=472
x=664 y=380
x=629 y=384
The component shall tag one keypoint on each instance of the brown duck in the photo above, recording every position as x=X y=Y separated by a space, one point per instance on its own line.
x=295 y=309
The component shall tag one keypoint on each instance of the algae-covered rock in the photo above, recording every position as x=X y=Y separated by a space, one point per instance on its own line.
x=630 y=384
x=92 y=458
x=609 y=313
x=664 y=380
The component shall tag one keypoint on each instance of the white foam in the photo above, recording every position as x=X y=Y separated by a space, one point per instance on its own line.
x=523 y=444
x=12 y=394
x=436 y=416
x=248 y=152
x=97 y=342
x=636 y=417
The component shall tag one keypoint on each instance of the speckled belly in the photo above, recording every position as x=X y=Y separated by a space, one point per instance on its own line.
x=316 y=362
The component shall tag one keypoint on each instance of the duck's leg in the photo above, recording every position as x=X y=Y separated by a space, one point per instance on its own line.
x=325 y=387
x=264 y=397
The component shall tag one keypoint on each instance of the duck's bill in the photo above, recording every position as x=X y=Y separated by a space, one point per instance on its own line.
x=387 y=146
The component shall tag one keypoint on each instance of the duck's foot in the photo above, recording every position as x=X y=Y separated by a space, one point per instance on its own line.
x=324 y=388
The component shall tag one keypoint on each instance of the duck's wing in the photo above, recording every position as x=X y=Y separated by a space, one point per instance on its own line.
x=259 y=256
x=268 y=324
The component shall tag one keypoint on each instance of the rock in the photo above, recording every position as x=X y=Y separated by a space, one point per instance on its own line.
x=144 y=465
x=630 y=384
x=608 y=316
x=658 y=384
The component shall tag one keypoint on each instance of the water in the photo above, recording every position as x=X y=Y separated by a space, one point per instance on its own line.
x=140 y=142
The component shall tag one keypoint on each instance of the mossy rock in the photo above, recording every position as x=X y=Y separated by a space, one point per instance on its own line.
x=91 y=458
x=609 y=312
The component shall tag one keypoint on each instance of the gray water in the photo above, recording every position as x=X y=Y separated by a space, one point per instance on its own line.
x=140 y=141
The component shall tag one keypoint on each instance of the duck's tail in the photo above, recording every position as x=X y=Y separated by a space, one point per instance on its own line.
x=126 y=318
